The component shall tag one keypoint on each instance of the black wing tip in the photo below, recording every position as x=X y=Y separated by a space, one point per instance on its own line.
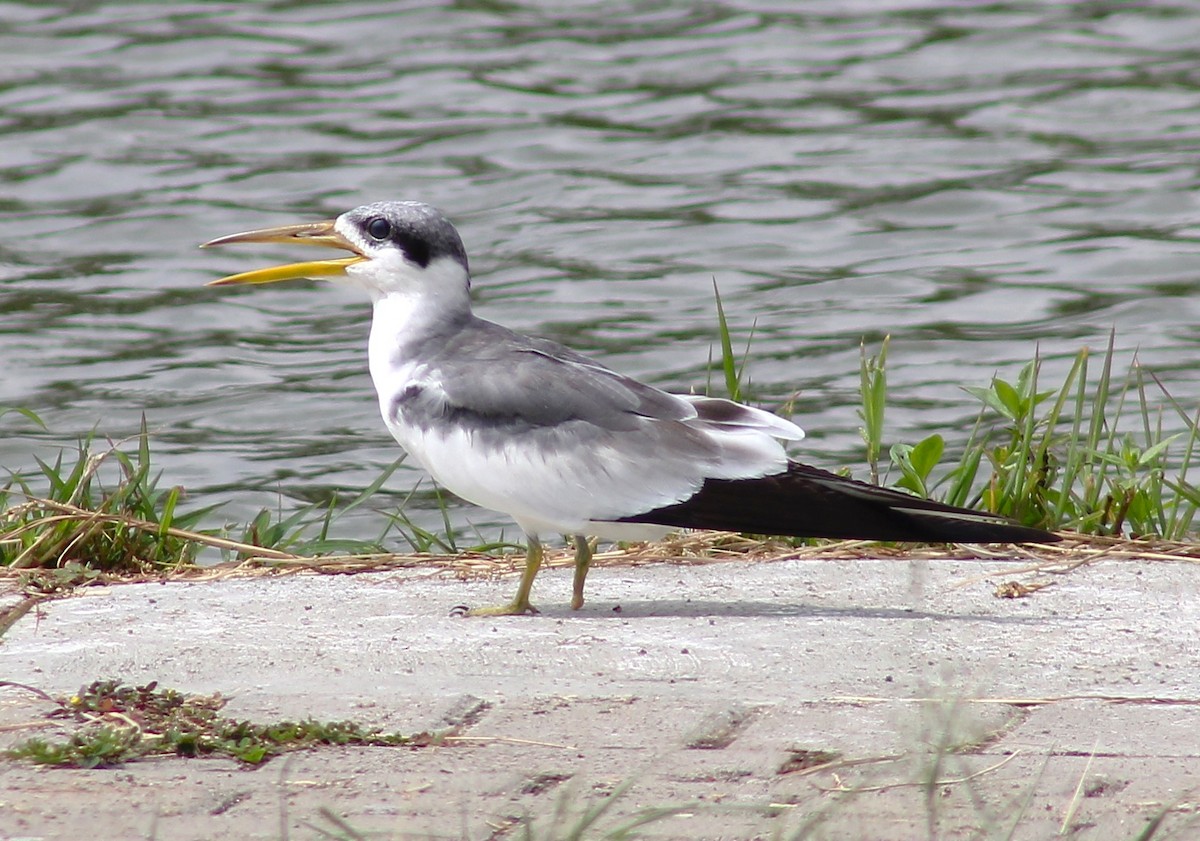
x=805 y=501
x=1036 y=535
x=949 y=524
x=1011 y=532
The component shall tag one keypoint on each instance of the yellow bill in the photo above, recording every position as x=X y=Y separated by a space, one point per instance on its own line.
x=313 y=233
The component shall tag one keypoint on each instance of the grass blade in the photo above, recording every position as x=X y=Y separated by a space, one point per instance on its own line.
x=728 y=361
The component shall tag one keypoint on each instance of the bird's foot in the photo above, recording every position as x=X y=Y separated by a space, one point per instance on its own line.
x=510 y=609
x=583 y=561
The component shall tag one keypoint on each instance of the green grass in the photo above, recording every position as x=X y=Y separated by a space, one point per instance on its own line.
x=1100 y=452
x=127 y=523
x=873 y=401
x=575 y=818
x=733 y=371
x=100 y=509
x=926 y=778
x=120 y=723
x=951 y=781
x=1089 y=454
x=1105 y=449
x=116 y=723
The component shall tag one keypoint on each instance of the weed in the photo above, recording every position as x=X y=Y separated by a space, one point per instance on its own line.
x=99 y=747
x=52 y=582
x=873 y=400
x=123 y=723
x=131 y=524
x=1059 y=457
x=733 y=371
x=90 y=518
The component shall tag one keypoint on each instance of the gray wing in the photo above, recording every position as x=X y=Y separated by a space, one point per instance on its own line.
x=559 y=442
x=497 y=374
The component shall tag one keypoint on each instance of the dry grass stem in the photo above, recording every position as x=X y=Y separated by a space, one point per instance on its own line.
x=1021 y=701
x=841 y=788
x=85 y=520
x=685 y=548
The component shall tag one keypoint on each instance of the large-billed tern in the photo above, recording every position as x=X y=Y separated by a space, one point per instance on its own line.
x=561 y=443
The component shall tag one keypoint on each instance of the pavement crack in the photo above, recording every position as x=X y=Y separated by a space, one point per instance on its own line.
x=543 y=782
x=718 y=730
x=465 y=713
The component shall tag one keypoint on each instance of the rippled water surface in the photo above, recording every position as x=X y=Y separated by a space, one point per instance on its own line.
x=975 y=180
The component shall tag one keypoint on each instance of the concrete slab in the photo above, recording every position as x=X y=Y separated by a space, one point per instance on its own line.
x=709 y=687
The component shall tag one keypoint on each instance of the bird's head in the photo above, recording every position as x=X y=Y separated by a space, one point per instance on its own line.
x=397 y=247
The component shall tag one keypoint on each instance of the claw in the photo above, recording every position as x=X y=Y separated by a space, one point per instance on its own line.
x=510 y=609
x=520 y=605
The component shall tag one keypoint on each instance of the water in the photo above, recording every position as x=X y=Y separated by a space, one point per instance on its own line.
x=975 y=180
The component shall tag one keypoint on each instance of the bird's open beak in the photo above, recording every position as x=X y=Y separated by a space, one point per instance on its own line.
x=313 y=233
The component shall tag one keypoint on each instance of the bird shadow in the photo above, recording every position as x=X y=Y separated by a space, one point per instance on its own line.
x=695 y=608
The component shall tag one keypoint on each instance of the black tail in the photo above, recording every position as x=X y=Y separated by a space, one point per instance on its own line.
x=808 y=502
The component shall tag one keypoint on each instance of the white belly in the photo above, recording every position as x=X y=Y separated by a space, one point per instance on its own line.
x=562 y=494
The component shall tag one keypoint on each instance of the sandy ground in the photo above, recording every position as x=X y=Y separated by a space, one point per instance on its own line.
x=951 y=712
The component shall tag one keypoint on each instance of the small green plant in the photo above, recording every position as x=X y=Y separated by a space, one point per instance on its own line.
x=123 y=723
x=1092 y=453
x=872 y=372
x=276 y=530
x=130 y=523
x=419 y=539
x=734 y=372
x=104 y=511
x=570 y=821
x=916 y=463
x=291 y=532
x=1058 y=457
x=98 y=747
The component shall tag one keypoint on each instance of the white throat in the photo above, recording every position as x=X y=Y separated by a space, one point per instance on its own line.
x=411 y=305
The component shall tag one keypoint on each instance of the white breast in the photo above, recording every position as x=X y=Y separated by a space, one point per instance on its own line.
x=571 y=478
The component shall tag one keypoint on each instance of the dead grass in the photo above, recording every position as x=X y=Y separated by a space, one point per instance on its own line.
x=685 y=548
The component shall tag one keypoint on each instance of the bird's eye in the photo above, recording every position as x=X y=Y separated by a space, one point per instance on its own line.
x=379 y=228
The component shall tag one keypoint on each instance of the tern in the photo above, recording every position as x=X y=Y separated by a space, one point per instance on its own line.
x=559 y=442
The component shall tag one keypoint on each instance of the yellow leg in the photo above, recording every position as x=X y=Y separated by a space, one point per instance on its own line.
x=583 y=560
x=520 y=604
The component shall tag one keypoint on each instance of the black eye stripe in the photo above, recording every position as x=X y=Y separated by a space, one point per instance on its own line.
x=417 y=249
x=379 y=228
